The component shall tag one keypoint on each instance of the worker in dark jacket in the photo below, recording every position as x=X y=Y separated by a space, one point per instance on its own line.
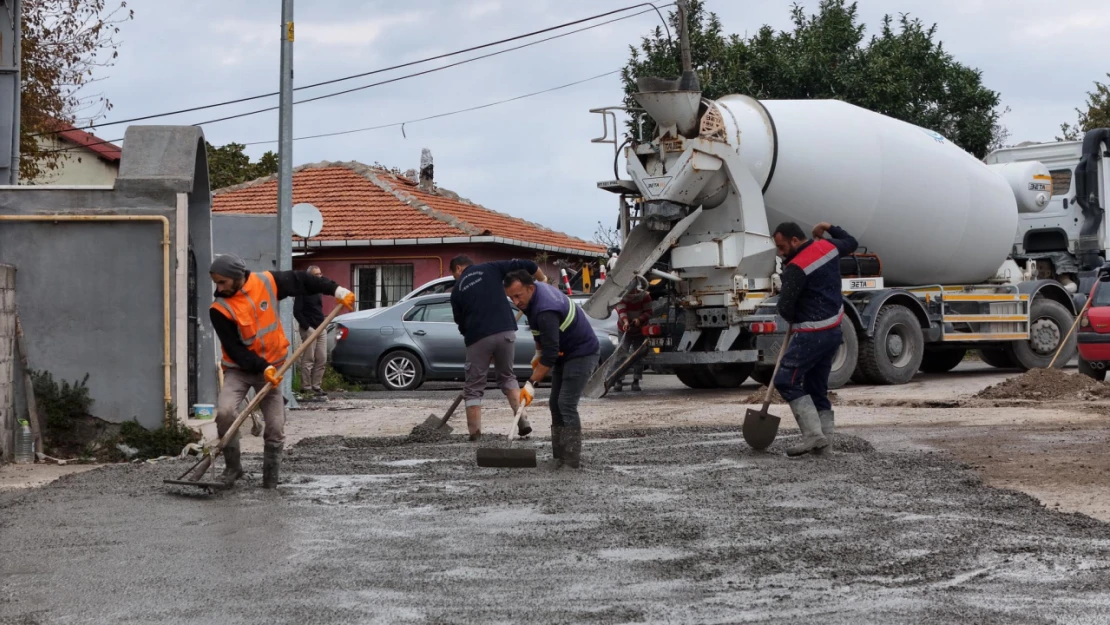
x=244 y=316
x=308 y=310
x=811 y=302
x=568 y=348
x=489 y=327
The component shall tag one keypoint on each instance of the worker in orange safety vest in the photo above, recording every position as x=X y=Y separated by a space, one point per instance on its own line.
x=245 y=317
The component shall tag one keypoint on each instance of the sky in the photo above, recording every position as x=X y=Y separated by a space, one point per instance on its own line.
x=533 y=157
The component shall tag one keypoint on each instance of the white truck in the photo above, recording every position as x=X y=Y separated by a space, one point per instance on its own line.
x=955 y=254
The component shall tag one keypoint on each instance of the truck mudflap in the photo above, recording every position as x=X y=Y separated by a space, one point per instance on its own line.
x=627 y=354
x=641 y=250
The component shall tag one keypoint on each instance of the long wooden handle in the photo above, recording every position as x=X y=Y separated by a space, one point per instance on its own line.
x=778 y=363
x=1068 y=336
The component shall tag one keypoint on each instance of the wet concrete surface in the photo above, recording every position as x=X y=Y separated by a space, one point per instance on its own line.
x=681 y=525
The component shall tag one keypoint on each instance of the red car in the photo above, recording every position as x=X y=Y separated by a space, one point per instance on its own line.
x=1093 y=335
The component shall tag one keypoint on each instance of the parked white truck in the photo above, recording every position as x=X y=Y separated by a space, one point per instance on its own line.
x=955 y=254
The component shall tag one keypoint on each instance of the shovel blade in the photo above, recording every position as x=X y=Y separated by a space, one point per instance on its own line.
x=760 y=428
x=506 y=458
x=435 y=423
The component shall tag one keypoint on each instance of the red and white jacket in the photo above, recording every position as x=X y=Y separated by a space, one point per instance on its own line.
x=635 y=306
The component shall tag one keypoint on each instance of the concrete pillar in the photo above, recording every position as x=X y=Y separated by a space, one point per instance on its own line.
x=7 y=361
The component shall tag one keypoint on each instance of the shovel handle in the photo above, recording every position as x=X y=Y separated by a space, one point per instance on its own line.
x=516 y=419
x=778 y=363
x=1068 y=336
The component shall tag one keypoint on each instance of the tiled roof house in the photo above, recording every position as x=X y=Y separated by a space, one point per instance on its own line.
x=86 y=158
x=385 y=233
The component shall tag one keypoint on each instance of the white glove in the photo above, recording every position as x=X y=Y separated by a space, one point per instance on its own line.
x=527 y=394
x=345 y=297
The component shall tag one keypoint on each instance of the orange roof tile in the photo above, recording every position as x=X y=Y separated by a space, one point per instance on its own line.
x=361 y=203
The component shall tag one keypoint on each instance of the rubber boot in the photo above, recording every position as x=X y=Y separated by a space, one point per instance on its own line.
x=636 y=386
x=805 y=413
x=557 y=434
x=233 y=466
x=618 y=387
x=271 y=464
x=828 y=427
x=523 y=427
x=572 y=447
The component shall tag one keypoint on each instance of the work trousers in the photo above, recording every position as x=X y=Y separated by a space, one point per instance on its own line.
x=637 y=370
x=314 y=361
x=499 y=349
x=806 y=365
x=568 y=381
x=237 y=384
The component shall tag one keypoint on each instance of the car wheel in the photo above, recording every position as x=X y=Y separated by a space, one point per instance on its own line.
x=1086 y=369
x=400 y=371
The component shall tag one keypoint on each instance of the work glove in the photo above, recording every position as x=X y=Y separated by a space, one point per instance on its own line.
x=637 y=322
x=527 y=394
x=535 y=360
x=272 y=376
x=345 y=297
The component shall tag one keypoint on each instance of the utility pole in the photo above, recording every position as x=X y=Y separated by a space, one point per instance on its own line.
x=285 y=178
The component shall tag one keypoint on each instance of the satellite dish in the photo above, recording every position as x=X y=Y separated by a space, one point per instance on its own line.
x=307 y=221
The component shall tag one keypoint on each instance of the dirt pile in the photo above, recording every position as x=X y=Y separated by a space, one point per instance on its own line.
x=1047 y=384
x=757 y=397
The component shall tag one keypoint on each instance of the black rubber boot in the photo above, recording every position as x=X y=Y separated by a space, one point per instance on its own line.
x=572 y=447
x=805 y=413
x=233 y=466
x=557 y=434
x=271 y=464
x=636 y=386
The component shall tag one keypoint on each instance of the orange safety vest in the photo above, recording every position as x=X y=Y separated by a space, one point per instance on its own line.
x=254 y=309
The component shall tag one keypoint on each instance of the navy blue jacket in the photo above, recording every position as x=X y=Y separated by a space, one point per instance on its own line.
x=550 y=306
x=811 y=297
x=478 y=299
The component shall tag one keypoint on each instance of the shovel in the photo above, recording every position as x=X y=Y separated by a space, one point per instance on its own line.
x=508 y=457
x=761 y=427
x=192 y=476
x=434 y=423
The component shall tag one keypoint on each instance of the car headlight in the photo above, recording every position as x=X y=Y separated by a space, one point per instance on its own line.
x=614 y=340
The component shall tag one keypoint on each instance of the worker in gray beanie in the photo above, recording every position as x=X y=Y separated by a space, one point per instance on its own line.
x=244 y=316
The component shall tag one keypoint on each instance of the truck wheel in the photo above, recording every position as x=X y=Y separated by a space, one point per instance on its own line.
x=763 y=375
x=998 y=358
x=694 y=376
x=844 y=364
x=1049 y=322
x=893 y=354
x=1086 y=369
x=729 y=375
x=942 y=360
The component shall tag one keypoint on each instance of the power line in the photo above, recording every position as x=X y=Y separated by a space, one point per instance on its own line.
x=439 y=115
x=386 y=69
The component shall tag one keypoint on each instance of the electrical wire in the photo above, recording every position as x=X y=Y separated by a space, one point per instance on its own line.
x=386 y=69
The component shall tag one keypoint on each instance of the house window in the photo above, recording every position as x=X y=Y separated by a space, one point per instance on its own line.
x=379 y=286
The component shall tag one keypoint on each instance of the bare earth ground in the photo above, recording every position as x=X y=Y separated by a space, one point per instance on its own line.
x=673 y=520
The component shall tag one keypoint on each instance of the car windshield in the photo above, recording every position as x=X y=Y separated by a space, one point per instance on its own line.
x=1101 y=294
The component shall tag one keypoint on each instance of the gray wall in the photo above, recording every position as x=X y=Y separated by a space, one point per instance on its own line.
x=90 y=293
x=250 y=237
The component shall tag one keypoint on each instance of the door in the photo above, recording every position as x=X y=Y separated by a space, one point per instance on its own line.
x=433 y=329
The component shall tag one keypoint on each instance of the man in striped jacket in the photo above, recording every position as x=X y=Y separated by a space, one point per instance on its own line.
x=811 y=302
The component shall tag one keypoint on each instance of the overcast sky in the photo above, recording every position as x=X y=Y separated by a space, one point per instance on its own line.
x=531 y=158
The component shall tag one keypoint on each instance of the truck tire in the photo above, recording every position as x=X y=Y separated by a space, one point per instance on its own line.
x=695 y=376
x=893 y=354
x=847 y=358
x=942 y=360
x=763 y=375
x=729 y=375
x=998 y=358
x=1050 y=322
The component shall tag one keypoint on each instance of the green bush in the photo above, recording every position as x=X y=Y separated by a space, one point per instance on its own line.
x=167 y=440
x=61 y=403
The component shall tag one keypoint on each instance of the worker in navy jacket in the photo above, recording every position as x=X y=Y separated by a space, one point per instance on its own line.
x=811 y=302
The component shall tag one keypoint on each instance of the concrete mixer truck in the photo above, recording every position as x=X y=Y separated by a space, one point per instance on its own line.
x=955 y=254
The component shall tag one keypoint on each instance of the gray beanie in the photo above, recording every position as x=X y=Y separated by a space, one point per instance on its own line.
x=229 y=266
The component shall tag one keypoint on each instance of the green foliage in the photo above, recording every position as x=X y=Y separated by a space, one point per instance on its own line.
x=901 y=72
x=228 y=165
x=333 y=381
x=1097 y=114
x=167 y=440
x=61 y=404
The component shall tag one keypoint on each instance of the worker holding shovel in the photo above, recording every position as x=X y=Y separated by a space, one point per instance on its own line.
x=811 y=302
x=568 y=348
x=245 y=318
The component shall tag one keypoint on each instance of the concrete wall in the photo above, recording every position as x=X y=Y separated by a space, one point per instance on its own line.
x=251 y=237
x=91 y=293
x=76 y=166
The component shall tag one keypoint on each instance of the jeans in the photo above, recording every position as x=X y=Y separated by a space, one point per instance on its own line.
x=568 y=381
x=806 y=366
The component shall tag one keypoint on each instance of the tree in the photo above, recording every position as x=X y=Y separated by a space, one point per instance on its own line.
x=607 y=236
x=228 y=165
x=1097 y=114
x=63 y=43
x=901 y=72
